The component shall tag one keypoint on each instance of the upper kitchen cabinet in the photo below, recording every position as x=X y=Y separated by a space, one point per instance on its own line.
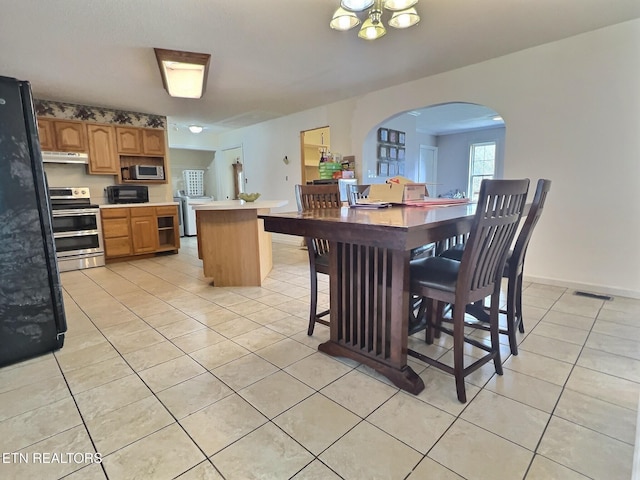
x=103 y=156
x=152 y=142
x=140 y=146
x=70 y=136
x=62 y=135
x=46 y=134
x=129 y=140
x=140 y=141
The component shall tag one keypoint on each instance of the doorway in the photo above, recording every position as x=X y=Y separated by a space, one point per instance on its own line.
x=226 y=173
x=312 y=144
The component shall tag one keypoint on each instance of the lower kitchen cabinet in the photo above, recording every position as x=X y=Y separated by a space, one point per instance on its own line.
x=168 y=228
x=116 y=232
x=143 y=230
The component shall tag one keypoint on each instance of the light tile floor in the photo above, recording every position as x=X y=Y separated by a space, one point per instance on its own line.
x=166 y=376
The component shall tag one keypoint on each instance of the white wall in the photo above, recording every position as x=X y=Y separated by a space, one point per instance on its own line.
x=572 y=111
x=453 y=157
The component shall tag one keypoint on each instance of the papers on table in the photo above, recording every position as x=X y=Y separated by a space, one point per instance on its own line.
x=365 y=203
x=436 y=201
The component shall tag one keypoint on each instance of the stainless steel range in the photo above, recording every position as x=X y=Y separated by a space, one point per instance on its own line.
x=77 y=230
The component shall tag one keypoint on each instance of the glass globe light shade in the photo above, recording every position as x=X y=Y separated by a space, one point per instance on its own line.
x=356 y=5
x=404 y=19
x=344 y=20
x=396 y=5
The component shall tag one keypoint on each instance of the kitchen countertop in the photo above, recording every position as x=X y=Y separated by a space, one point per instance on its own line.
x=128 y=205
x=239 y=205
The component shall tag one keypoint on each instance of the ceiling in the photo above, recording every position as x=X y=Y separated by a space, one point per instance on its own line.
x=268 y=58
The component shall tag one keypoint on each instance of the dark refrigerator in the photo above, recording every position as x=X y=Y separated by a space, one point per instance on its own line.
x=32 y=318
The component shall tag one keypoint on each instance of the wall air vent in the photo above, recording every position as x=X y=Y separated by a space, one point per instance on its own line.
x=593 y=295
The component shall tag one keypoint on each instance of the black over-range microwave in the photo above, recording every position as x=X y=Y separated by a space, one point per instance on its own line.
x=127 y=193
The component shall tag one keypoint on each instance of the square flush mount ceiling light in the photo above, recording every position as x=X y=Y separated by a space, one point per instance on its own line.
x=184 y=74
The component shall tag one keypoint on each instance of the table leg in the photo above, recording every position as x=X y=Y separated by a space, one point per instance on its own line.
x=369 y=310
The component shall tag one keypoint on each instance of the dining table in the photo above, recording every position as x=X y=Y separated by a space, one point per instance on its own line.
x=369 y=254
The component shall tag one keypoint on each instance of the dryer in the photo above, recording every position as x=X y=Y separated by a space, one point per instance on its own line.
x=189 y=214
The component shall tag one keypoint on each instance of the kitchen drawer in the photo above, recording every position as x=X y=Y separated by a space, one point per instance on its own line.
x=168 y=210
x=143 y=211
x=117 y=247
x=115 y=227
x=114 y=212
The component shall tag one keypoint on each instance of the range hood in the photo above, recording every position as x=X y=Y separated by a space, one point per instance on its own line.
x=65 y=157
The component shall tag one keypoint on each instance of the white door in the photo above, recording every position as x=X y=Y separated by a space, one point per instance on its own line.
x=428 y=168
x=224 y=170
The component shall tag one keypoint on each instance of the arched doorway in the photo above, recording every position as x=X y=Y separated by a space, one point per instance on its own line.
x=438 y=141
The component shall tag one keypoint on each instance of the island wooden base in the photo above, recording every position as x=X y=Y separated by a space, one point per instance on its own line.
x=234 y=248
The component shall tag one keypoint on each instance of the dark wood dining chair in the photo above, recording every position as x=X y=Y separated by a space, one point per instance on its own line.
x=313 y=197
x=440 y=280
x=356 y=192
x=513 y=271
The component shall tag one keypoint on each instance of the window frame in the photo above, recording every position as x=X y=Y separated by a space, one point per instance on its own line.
x=472 y=147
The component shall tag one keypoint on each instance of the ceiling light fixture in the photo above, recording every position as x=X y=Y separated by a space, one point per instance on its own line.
x=403 y=16
x=184 y=74
x=195 y=128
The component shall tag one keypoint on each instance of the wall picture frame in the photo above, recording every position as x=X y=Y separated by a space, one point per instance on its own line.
x=393 y=153
x=401 y=138
x=383 y=152
x=401 y=153
x=383 y=134
x=393 y=169
x=383 y=169
x=393 y=136
x=401 y=168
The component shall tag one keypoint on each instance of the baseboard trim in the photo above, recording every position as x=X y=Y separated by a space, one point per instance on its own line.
x=589 y=287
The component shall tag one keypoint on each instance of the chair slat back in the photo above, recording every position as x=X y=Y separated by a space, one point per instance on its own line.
x=356 y=192
x=499 y=209
x=522 y=242
x=311 y=197
x=314 y=197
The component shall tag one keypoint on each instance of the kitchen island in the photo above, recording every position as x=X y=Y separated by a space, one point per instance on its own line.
x=234 y=248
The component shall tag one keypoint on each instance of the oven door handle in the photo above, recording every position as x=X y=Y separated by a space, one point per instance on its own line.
x=77 y=233
x=75 y=213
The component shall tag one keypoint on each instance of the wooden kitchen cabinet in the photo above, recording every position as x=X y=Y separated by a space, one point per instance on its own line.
x=62 y=135
x=140 y=146
x=129 y=140
x=144 y=230
x=70 y=136
x=132 y=231
x=116 y=231
x=47 y=135
x=168 y=228
x=140 y=141
x=103 y=157
x=152 y=142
